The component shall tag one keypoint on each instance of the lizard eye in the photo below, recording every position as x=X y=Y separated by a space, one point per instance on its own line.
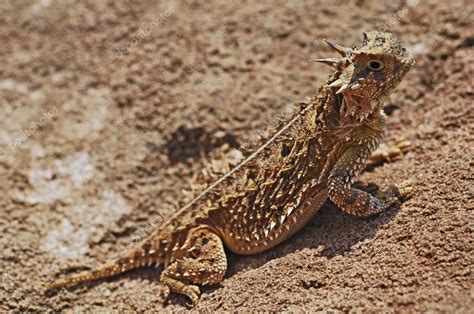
x=375 y=65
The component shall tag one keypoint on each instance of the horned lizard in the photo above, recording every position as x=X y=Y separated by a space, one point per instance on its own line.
x=313 y=156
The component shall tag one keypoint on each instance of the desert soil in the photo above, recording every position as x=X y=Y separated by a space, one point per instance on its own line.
x=109 y=109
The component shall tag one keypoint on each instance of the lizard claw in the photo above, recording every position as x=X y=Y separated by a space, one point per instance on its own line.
x=406 y=190
x=403 y=145
x=395 y=194
x=388 y=153
x=193 y=293
x=166 y=294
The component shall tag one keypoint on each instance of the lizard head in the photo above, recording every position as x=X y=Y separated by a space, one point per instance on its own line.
x=367 y=74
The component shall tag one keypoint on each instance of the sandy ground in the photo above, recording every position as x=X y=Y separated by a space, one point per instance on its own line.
x=110 y=108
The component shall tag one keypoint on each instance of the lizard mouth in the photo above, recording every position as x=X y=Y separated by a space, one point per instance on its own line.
x=357 y=106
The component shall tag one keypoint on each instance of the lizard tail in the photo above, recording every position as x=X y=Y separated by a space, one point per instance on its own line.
x=106 y=270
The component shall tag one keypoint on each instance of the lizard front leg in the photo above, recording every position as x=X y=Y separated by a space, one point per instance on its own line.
x=355 y=201
x=206 y=264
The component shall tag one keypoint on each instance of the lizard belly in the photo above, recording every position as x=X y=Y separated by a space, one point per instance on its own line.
x=273 y=234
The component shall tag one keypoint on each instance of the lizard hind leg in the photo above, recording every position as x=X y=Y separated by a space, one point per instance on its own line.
x=205 y=264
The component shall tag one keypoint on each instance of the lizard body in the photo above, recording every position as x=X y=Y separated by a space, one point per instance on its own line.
x=315 y=155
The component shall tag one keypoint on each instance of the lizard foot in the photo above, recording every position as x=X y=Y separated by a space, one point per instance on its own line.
x=406 y=190
x=394 y=195
x=388 y=153
x=191 y=291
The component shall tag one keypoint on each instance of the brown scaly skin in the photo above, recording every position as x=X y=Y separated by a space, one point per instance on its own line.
x=315 y=155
